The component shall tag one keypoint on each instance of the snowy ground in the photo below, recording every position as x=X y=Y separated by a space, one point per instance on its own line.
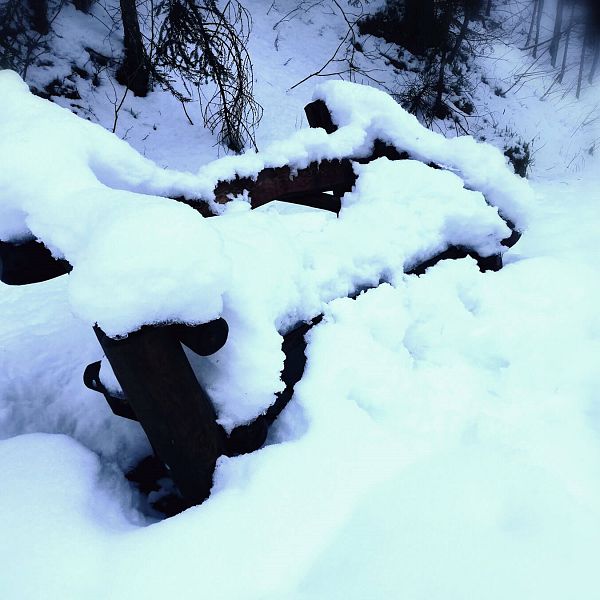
x=443 y=443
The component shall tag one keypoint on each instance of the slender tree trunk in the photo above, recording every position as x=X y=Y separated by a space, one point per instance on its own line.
x=595 y=61
x=538 y=25
x=586 y=36
x=39 y=16
x=532 y=23
x=134 y=71
x=445 y=53
x=557 y=34
x=488 y=8
x=437 y=107
x=460 y=38
x=563 y=68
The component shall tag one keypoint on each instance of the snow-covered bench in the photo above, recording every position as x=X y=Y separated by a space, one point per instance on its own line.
x=392 y=220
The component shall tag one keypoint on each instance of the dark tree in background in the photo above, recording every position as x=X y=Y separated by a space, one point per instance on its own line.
x=195 y=45
x=83 y=5
x=579 y=19
x=25 y=26
x=134 y=72
x=419 y=26
x=436 y=32
x=39 y=16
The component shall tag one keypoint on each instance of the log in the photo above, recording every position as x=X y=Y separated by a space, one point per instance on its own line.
x=170 y=405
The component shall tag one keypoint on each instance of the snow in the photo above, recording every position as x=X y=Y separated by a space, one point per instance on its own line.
x=462 y=463
x=444 y=441
x=142 y=259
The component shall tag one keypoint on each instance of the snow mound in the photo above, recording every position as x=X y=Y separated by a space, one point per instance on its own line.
x=481 y=166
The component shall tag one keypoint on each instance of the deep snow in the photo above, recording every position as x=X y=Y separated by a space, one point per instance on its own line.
x=443 y=443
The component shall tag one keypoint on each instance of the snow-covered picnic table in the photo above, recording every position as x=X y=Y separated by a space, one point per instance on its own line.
x=144 y=263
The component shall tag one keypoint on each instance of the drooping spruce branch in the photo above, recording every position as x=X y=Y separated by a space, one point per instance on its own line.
x=205 y=47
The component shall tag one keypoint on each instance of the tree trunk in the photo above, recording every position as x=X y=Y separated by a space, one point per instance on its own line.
x=538 y=25
x=39 y=16
x=557 y=34
x=419 y=25
x=563 y=68
x=134 y=71
x=586 y=37
x=460 y=38
x=532 y=23
x=595 y=61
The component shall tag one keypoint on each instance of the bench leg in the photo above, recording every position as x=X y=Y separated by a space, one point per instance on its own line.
x=172 y=408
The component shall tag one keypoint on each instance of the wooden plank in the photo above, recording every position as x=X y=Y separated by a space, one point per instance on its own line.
x=319 y=115
x=117 y=402
x=204 y=339
x=251 y=437
x=485 y=263
x=29 y=262
x=283 y=184
x=322 y=200
x=174 y=411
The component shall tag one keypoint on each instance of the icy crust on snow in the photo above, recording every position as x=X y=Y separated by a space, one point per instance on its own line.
x=141 y=259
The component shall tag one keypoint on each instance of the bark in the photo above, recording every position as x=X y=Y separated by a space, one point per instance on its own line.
x=134 y=71
x=538 y=24
x=557 y=34
x=460 y=38
x=582 y=61
x=419 y=24
x=595 y=61
x=563 y=68
x=532 y=23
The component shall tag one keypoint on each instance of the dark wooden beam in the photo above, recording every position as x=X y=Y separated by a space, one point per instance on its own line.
x=282 y=183
x=204 y=339
x=118 y=402
x=167 y=400
x=485 y=263
x=319 y=115
x=29 y=262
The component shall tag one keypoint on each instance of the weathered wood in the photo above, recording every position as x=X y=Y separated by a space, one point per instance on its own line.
x=514 y=237
x=248 y=438
x=319 y=115
x=322 y=200
x=205 y=339
x=118 y=402
x=485 y=263
x=29 y=262
x=174 y=411
x=283 y=184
